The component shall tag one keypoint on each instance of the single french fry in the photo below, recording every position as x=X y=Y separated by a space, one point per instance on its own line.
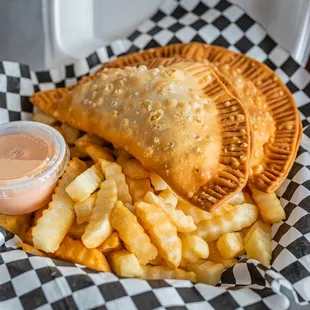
x=85 y=184
x=182 y=222
x=113 y=171
x=258 y=243
x=231 y=245
x=30 y=249
x=162 y=272
x=206 y=271
x=197 y=214
x=55 y=221
x=194 y=248
x=113 y=243
x=38 y=213
x=76 y=151
x=96 y=152
x=132 y=234
x=83 y=209
x=43 y=118
x=134 y=170
x=99 y=227
x=216 y=257
x=242 y=215
x=162 y=232
x=269 y=206
x=74 y=251
x=158 y=183
x=91 y=139
x=76 y=230
x=125 y=264
x=138 y=188
x=16 y=224
x=169 y=196
x=70 y=133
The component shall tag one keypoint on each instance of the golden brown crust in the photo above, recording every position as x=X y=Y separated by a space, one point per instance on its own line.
x=231 y=169
x=281 y=151
x=282 y=147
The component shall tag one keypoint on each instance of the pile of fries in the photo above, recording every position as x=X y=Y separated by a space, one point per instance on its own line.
x=111 y=214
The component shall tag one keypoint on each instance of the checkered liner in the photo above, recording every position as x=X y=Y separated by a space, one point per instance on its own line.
x=34 y=282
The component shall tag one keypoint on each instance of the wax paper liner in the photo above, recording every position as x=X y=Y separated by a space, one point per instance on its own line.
x=31 y=282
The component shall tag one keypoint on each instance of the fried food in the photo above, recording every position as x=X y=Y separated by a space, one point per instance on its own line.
x=162 y=232
x=113 y=243
x=182 y=222
x=75 y=251
x=85 y=184
x=138 y=188
x=194 y=248
x=55 y=221
x=132 y=234
x=241 y=216
x=231 y=245
x=83 y=209
x=113 y=171
x=125 y=264
x=99 y=227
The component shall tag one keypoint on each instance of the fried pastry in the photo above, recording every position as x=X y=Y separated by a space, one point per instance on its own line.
x=275 y=125
x=179 y=121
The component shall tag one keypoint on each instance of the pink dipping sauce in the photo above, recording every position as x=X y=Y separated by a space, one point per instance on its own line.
x=32 y=158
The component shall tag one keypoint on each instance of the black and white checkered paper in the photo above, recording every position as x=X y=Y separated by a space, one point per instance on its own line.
x=32 y=282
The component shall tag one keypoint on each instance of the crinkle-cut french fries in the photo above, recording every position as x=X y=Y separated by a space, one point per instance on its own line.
x=206 y=271
x=16 y=224
x=91 y=139
x=113 y=243
x=134 y=170
x=158 y=183
x=197 y=214
x=245 y=230
x=158 y=260
x=169 y=197
x=74 y=251
x=99 y=227
x=113 y=171
x=162 y=272
x=76 y=230
x=138 y=188
x=70 y=133
x=38 y=213
x=30 y=249
x=83 y=209
x=241 y=216
x=269 y=206
x=236 y=199
x=85 y=184
x=162 y=232
x=231 y=245
x=76 y=151
x=55 y=221
x=43 y=118
x=96 y=152
x=216 y=257
x=132 y=233
x=182 y=222
x=258 y=242
x=121 y=153
x=194 y=248
x=28 y=238
x=125 y=264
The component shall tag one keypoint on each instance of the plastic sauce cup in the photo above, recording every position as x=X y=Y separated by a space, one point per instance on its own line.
x=33 y=156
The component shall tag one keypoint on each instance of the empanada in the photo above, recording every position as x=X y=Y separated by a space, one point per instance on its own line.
x=179 y=121
x=275 y=125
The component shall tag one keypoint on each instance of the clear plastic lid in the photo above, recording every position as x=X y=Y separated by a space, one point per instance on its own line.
x=31 y=153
